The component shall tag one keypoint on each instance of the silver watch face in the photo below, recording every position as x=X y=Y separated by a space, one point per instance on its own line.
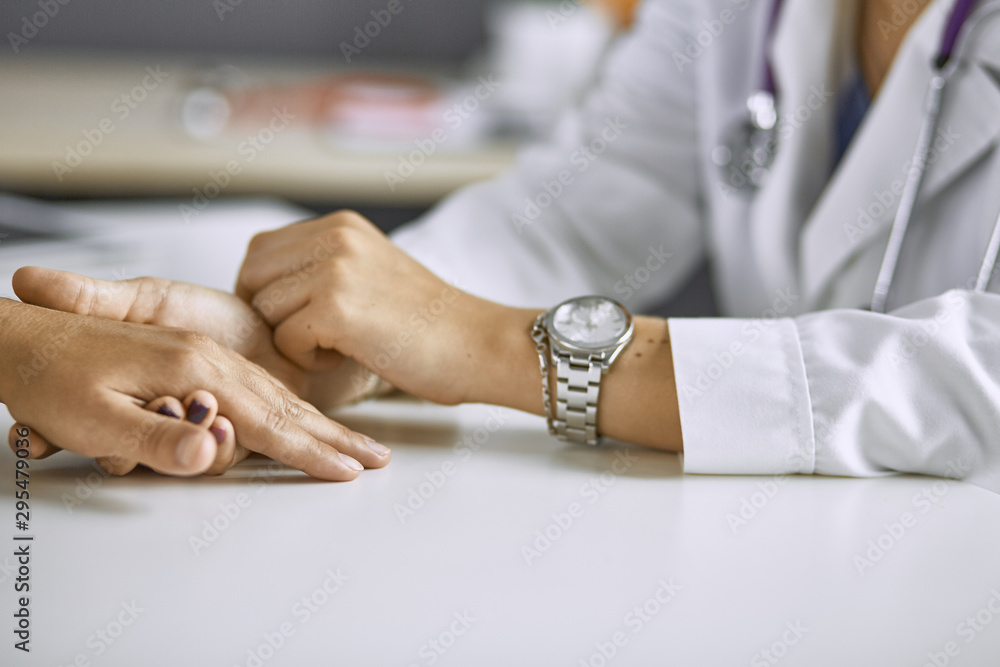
x=590 y=322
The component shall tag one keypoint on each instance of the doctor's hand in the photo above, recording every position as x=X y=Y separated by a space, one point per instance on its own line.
x=265 y=415
x=336 y=286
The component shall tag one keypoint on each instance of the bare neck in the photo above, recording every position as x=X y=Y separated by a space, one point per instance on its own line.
x=882 y=26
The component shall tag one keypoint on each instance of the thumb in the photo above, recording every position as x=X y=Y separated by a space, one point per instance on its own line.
x=171 y=446
x=73 y=293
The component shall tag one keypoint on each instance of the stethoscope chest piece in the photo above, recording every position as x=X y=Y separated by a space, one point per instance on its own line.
x=747 y=150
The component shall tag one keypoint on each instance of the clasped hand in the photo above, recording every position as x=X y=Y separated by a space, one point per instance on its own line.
x=140 y=371
x=198 y=377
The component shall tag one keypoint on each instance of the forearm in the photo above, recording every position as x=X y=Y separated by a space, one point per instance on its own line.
x=638 y=398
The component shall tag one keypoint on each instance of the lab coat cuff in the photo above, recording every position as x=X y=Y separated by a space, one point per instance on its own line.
x=743 y=396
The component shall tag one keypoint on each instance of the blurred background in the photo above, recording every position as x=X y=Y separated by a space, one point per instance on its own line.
x=380 y=105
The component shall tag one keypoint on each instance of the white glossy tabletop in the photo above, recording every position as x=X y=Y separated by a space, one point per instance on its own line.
x=485 y=542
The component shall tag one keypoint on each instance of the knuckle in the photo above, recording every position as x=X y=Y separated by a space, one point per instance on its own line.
x=351 y=240
x=275 y=420
x=332 y=238
x=279 y=428
x=86 y=299
x=258 y=241
x=336 y=304
x=350 y=217
x=282 y=416
x=336 y=269
x=195 y=340
x=191 y=352
x=147 y=298
x=344 y=215
x=292 y=410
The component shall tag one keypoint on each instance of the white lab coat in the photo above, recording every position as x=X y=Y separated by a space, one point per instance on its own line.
x=797 y=378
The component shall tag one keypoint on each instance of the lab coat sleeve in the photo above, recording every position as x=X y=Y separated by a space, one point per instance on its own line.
x=845 y=392
x=609 y=205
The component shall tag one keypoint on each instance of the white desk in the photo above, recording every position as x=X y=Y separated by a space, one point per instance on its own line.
x=455 y=572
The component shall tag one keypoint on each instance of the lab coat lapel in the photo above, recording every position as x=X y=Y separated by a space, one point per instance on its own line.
x=857 y=207
x=803 y=59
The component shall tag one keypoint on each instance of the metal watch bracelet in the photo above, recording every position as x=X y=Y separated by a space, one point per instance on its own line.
x=578 y=383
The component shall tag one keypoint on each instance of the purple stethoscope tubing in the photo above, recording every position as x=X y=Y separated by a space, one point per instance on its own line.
x=759 y=130
x=962 y=22
x=960 y=14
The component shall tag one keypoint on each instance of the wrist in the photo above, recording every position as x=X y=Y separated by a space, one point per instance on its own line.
x=504 y=369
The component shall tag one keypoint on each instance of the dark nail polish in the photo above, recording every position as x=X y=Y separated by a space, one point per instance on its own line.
x=197 y=412
x=219 y=433
x=167 y=412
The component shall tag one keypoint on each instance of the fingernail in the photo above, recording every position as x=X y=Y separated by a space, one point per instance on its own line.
x=187 y=450
x=167 y=412
x=351 y=463
x=219 y=433
x=197 y=412
x=376 y=447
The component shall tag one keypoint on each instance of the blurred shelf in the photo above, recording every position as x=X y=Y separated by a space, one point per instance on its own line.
x=51 y=101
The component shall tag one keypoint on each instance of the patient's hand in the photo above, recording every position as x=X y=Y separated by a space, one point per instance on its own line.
x=199 y=408
x=221 y=316
x=166 y=303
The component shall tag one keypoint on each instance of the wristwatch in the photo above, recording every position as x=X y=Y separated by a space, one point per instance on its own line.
x=581 y=338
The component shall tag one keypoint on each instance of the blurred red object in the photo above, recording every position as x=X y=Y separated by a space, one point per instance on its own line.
x=376 y=106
